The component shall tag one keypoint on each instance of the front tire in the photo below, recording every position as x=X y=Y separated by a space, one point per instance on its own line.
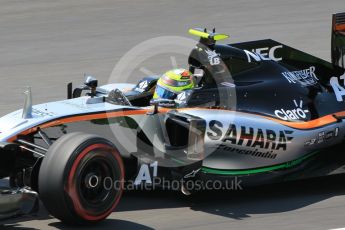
x=81 y=178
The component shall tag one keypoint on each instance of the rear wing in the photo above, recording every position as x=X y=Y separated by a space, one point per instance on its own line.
x=338 y=39
x=286 y=55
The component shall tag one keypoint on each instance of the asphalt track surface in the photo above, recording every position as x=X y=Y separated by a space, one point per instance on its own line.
x=45 y=44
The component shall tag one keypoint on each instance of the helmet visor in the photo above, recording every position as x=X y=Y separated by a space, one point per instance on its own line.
x=168 y=81
x=164 y=93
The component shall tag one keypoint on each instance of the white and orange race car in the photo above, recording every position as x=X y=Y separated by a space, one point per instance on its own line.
x=262 y=112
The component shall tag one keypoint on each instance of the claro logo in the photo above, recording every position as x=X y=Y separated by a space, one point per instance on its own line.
x=263 y=54
x=296 y=113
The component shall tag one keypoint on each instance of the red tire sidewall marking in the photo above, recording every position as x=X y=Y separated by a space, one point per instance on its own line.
x=71 y=186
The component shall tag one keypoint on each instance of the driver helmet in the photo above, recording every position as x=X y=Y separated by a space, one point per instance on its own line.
x=173 y=82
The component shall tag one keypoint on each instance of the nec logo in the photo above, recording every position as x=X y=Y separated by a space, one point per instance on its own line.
x=263 y=54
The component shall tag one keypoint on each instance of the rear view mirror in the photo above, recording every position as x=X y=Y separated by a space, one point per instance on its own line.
x=91 y=81
x=198 y=72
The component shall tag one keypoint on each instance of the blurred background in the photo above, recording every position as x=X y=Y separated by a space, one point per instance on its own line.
x=45 y=44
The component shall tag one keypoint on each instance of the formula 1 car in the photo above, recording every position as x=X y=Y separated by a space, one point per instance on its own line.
x=262 y=112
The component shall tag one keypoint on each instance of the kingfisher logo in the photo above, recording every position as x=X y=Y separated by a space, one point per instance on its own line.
x=305 y=77
x=297 y=113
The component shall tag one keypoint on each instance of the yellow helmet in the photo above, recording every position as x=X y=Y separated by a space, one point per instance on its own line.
x=173 y=82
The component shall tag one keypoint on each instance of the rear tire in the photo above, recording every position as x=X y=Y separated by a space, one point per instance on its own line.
x=81 y=178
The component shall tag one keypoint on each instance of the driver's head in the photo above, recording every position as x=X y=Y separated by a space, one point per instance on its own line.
x=172 y=83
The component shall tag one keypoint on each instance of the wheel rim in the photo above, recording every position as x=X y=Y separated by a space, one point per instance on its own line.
x=92 y=188
x=95 y=202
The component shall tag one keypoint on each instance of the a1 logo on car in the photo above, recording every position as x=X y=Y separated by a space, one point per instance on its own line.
x=144 y=174
x=337 y=88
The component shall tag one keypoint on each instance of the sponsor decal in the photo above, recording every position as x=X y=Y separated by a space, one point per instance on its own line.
x=181 y=96
x=263 y=54
x=249 y=136
x=191 y=174
x=213 y=57
x=144 y=174
x=337 y=88
x=305 y=77
x=323 y=137
x=296 y=113
x=42 y=113
x=141 y=86
x=254 y=153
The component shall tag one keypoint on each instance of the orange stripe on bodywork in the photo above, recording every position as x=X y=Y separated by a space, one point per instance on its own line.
x=319 y=122
x=92 y=117
x=80 y=118
x=322 y=121
x=340 y=27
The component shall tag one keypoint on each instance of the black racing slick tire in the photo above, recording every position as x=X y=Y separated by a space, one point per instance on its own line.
x=81 y=178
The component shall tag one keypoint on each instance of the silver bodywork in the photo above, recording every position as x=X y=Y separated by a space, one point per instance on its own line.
x=241 y=155
x=14 y=123
x=236 y=152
